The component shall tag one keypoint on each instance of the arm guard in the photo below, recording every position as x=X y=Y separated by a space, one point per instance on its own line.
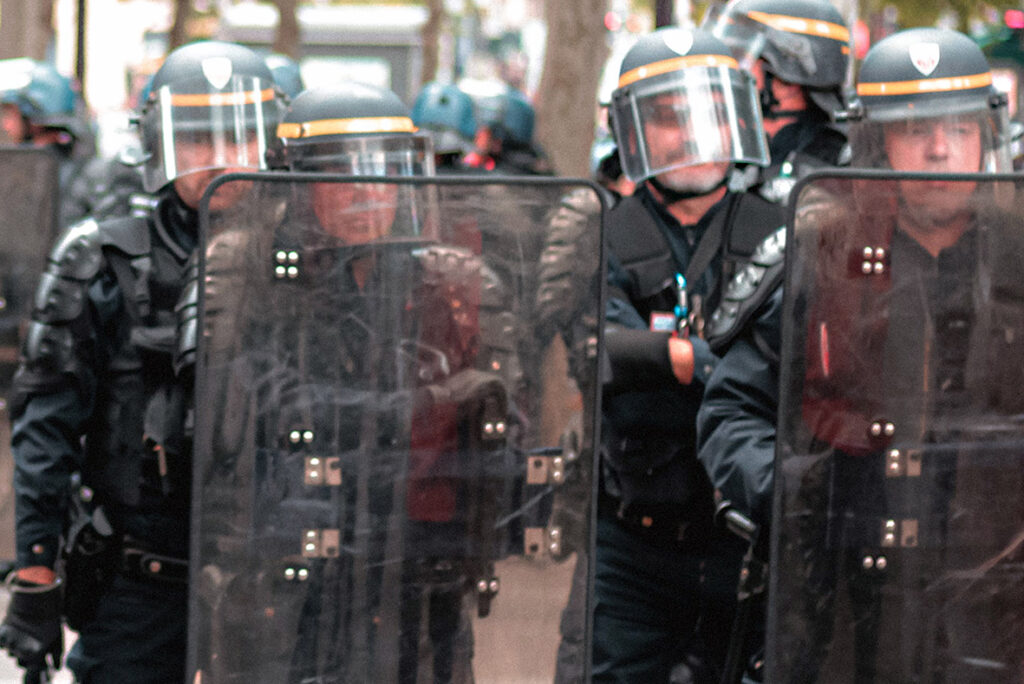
x=747 y=291
x=48 y=351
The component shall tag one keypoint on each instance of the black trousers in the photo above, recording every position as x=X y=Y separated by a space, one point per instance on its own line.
x=658 y=604
x=138 y=635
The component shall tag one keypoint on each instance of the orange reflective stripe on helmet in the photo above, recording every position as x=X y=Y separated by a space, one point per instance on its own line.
x=221 y=99
x=375 y=124
x=926 y=85
x=675 y=64
x=810 y=27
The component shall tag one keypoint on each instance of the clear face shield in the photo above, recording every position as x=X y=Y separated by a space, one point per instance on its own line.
x=746 y=38
x=942 y=141
x=966 y=142
x=694 y=116
x=365 y=212
x=370 y=155
x=194 y=126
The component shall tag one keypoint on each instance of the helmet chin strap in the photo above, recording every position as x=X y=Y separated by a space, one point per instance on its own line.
x=672 y=196
x=769 y=102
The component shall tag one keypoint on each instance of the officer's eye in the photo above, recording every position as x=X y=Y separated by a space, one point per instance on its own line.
x=665 y=114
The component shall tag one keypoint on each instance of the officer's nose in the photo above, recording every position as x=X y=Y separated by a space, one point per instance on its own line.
x=938 y=143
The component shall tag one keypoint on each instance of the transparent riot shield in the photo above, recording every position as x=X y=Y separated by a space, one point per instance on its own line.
x=389 y=416
x=28 y=223
x=898 y=535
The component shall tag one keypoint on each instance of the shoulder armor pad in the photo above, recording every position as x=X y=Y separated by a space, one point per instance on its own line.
x=633 y=237
x=78 y=252
x=747 y=290
x=49 y=351
x=187 y=314
x=128 y=234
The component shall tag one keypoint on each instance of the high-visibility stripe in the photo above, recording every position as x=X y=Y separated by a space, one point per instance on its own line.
x=926 y=85
x=810 y=27
x=221 y=99
x=375 y=124
x=674 y=64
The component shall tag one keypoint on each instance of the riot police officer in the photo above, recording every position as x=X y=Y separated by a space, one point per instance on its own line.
x=503 y=141
x=925 y=103
x=683 y=116
x=446 y=112
x=39 y=105
x=101 y=412
x=798 y=50
x=41 y=109
x=375 y=235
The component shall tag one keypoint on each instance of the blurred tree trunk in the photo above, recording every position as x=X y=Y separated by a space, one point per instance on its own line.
x=178 y=35
x=26 y=29
x=663 y=11
x=287 y=40
x=430 y=38
x=566 y=100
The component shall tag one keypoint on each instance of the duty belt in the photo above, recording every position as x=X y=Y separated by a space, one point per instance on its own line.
x=657 y=525
x=139 y=563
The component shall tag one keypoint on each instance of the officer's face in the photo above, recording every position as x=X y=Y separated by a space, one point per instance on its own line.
x=201 y=154
x=355 y=213
x=946 y=145
x=14 y=124
x=671 y=138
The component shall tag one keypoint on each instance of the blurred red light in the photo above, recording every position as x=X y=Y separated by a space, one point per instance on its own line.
x=612 y=21
x=1014 y=19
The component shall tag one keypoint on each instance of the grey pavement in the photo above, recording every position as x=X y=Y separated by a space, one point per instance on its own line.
x=520 y=609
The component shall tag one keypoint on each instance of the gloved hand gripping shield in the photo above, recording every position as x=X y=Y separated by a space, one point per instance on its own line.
x=706 y=99
x=899 y=493
x=222 y=121
x=363 y=438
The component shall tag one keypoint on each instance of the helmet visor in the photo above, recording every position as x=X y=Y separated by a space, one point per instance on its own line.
x=371 y=155
x=193 y=126
x=955 y=142
x=688 y=117
x=745 y=37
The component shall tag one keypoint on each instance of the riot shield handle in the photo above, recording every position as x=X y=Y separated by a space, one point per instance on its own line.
x=737 y=523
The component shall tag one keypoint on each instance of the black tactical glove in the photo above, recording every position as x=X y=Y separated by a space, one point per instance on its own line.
x=32 y=630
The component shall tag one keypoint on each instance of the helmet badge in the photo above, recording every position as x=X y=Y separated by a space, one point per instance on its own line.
x=217 y=71
x=679 y=41
x=925 y=57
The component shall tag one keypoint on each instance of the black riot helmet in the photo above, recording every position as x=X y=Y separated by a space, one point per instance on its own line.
x=211 y=105
x=927 y=75
x=446 y=111
x=805 y=42
x=354 y=129
x=42 y=95
x=688 y=80
x=287 y=74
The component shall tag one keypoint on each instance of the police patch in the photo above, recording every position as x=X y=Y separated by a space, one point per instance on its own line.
x=925 y=57
x=679 y=41
x=217 y=71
